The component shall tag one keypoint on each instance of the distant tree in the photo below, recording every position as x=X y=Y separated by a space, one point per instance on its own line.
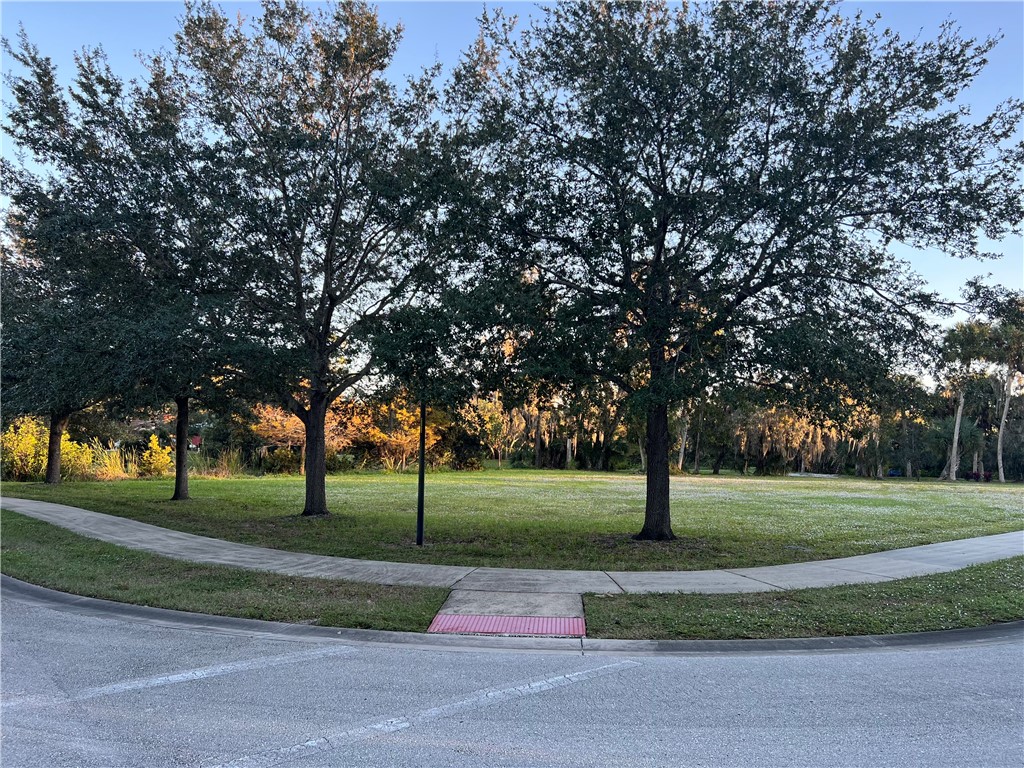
x=392 y=426
x=1003 y=345
x=962 y=356
x=500 y=429
x=703 y=193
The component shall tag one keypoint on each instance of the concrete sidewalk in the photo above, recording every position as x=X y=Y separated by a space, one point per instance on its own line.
x=877 y=567
x=519 y=593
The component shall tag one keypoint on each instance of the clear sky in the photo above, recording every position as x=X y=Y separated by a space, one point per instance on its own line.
x=440 y=30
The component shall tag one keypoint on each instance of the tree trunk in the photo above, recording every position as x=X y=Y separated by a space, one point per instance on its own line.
x=315 y=463
x=568 y=453
x=974 y=462
x=181 y=449
x=58 y=423
x=682 y=444
x=716 y=465
x=538 y=441
x=657 y=519
x=1002 y=426
x=696 y=442
x=606 y=454
x=643 y=456
x=954 y=461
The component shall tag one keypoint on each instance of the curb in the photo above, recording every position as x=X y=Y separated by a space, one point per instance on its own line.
x=24 y=592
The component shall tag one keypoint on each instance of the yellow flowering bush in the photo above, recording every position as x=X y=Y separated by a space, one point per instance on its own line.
x=23 y=445
x=75 y=459
x=155 y=461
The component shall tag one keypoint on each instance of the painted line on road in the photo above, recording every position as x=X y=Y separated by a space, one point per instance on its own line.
x=477 y=700
x=187 y=676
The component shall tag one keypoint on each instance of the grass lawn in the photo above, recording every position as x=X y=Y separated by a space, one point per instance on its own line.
x=41 y=553
x=44 y=554
x=971 y=597
x=551 y=519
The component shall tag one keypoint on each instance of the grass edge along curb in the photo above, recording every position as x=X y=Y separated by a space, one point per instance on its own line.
x=976 y=596
x=93 y=568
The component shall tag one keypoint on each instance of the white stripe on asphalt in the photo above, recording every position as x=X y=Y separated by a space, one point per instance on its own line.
x=478 y=700
x=190 y=675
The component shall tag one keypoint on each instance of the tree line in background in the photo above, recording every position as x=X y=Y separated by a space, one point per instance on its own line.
x=730 y=432
x=641 y=224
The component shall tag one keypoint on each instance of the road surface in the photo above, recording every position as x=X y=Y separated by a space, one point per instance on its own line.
x=86 y=690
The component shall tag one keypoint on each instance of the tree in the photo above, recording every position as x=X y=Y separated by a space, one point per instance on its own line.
x=962 y=351
x=1003 y=345
x=699 y=194
x=317 y=163
x=500 y=429
x=426 y=348
x=59 y=348
x=119 y=222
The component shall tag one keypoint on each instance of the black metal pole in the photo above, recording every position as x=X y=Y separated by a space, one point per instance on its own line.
x=423 y=473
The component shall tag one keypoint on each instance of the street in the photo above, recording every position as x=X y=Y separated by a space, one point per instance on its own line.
x=82 y=690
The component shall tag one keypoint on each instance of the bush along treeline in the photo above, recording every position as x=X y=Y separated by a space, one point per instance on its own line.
x=641 y=224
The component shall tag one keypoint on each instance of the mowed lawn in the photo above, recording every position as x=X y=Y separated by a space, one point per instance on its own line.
x=551 y=519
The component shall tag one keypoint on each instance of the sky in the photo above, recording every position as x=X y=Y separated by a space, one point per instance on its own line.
x=441 y=30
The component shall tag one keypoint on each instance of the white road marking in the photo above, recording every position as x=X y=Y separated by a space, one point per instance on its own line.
x=477 y=700
x=187 y=676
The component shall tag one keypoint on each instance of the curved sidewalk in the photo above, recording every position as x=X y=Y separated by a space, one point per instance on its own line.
x=544 y=585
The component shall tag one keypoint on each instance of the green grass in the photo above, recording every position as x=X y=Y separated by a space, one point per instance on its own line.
x=972 y=597
x=44 y=554
x=551 y=519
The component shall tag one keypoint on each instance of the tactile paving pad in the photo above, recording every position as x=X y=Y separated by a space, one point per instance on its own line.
x=558 y=626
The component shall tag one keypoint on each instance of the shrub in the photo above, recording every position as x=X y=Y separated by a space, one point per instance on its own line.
x=23 y=444
x=281 y=461
x=201 y=463
x=75 y=459
x=112 y=463
x=440 y=461
x=155 y=461
x=340 y=462
x=229 y=463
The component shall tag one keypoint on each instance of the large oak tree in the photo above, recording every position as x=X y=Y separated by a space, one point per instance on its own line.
x=117 y=244
x=321 y=170
x=703 y=193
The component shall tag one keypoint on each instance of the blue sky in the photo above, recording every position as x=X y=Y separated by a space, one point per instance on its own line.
x=442 y=29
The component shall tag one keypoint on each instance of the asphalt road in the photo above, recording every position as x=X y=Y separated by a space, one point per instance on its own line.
x=82 y=690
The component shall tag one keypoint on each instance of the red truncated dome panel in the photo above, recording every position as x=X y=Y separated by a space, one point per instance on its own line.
x=508 y=625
